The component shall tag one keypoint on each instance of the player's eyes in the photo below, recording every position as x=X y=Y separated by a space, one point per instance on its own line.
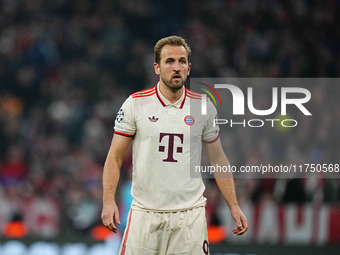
x=171 y=61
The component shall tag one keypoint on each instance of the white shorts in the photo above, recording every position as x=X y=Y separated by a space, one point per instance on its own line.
x=166 y=233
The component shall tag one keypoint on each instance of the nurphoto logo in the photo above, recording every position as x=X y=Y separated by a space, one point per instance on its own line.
x=280 y=97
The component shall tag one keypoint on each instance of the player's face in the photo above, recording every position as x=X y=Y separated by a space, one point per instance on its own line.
x=174 y=67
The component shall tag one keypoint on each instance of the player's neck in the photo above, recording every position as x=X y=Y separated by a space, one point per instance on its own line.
x=171 y=96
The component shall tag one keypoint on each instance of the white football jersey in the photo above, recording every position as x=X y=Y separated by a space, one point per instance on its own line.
x=167 y=143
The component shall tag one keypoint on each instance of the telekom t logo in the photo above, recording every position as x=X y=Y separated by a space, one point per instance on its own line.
x=171 y=143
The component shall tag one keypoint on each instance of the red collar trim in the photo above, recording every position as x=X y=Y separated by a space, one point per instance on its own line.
x=162 y=101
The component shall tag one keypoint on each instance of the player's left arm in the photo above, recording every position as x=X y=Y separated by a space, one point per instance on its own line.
x=226 y=185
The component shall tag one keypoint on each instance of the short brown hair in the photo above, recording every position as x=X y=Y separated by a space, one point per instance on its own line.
x=170 y=40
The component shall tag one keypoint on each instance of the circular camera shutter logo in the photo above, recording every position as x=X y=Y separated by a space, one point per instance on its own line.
x=120 y=116
x=189 y=120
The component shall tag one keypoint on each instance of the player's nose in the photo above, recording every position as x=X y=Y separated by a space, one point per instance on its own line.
x=176 y=67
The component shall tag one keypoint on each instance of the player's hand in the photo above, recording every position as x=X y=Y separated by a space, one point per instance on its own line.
x=240 y=219
x=110 y=214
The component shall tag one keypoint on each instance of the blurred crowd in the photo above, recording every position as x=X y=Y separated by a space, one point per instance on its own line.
x=66 y=66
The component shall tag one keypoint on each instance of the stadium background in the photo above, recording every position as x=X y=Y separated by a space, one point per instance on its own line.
x=67 y=66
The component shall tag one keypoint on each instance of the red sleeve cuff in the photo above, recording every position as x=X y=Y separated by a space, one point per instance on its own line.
x=124 y=134
x=213 y=140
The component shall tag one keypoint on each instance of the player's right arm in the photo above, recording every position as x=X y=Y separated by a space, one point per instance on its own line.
x=113 y=163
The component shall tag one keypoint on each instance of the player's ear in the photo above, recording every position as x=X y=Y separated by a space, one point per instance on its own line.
x=157 y=68
x=189 y=68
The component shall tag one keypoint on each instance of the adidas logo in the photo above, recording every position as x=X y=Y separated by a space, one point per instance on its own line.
x=153 y=119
